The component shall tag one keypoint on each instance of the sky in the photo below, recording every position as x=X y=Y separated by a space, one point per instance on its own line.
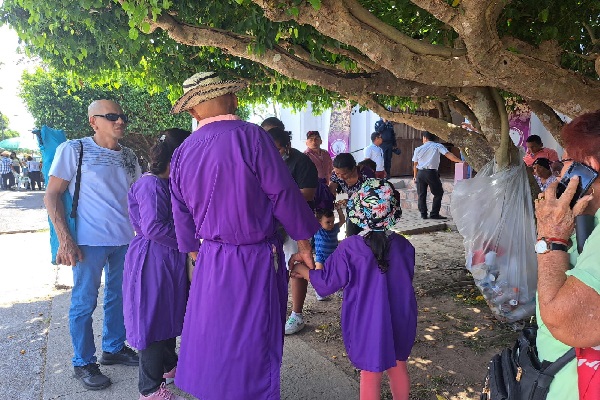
x=13 y=65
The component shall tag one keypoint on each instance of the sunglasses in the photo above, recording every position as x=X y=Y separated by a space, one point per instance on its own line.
x=113 y=117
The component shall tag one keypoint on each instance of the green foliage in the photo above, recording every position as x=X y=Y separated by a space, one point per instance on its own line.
x=8 y=133
x=562 y=21
x=109 y=42
x=3 y=122
x=55 y=101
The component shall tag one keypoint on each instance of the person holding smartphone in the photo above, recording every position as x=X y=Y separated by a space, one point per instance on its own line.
x=568 y=306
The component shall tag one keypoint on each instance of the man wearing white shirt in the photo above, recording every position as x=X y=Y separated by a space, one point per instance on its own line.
x=103 y=234
x=375 y=153
x=426 y=160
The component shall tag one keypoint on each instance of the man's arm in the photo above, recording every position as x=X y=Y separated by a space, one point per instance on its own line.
x=450 y=156
x=308 y=193
x=68 y=252
x=415 y=163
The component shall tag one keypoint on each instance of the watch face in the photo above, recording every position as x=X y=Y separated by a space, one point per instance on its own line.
x=541 y=247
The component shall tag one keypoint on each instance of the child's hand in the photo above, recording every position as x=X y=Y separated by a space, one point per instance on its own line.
x=300 y=270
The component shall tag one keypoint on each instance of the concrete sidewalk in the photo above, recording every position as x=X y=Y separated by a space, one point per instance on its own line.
x=305 y=374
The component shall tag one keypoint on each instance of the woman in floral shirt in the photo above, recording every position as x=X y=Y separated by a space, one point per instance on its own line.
x=347 y=177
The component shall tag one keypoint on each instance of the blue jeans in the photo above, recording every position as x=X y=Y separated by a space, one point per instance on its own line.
x=84 y=298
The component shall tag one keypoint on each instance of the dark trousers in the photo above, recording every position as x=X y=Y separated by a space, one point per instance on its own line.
x=36 y=179
x=431 y=178
x=387 y=159
x=8 y=180
x=155 y=360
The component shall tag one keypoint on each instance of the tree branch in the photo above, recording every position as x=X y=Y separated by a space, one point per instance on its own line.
x=336 y=21
x=464 y=110
x=475 y=146
x=507 y=153
x=549 y=118
x=548 y=51
x=414 y=45
x=439 y=9
x=482 y=104
x=286 y=64
x=590 y=32
x=362 y=61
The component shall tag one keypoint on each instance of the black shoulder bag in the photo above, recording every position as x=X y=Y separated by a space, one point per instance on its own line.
x=518 y=374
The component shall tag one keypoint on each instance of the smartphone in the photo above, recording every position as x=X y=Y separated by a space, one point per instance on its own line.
x=586 y=175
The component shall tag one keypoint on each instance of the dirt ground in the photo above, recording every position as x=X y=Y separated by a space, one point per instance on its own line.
x=456 y=332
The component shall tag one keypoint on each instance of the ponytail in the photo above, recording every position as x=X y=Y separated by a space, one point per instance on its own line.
x=379 y=243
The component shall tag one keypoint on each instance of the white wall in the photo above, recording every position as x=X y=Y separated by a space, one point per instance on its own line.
x=362 y=125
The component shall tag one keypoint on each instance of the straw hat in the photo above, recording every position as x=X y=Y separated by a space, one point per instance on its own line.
x=204 y=86
x=5 y=154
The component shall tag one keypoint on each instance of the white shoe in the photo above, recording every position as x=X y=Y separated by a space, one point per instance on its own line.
x=320 y=298
x=294 y=324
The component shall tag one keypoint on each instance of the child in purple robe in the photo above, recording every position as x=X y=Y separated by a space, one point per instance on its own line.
x=379 y=310
x=155 y=283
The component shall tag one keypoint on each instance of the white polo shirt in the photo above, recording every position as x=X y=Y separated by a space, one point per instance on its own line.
x=375 y=153
x=427 y=156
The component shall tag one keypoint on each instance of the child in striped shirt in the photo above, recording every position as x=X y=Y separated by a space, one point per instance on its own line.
x=325 y=240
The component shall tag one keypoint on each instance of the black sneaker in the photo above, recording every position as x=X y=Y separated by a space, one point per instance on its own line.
x=437 y=216
x=126 y=356
x=91 y=378
x=424 y=216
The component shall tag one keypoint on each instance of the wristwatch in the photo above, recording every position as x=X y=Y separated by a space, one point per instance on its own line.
x=544 y=246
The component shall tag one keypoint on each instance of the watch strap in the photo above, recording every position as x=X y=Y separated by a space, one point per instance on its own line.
x=557 y=246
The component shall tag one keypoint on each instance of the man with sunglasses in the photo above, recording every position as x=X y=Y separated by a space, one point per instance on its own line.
x=103 y=235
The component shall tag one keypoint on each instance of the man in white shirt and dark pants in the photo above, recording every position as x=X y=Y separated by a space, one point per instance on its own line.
x=426 y=160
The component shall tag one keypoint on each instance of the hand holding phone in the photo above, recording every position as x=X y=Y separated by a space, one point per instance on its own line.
x=587 y=176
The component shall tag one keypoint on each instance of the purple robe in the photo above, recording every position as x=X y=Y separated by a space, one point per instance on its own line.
x=379 y=311
x=229 y=187
x=155 y=283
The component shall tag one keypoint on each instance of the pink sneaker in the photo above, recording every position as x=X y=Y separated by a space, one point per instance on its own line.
x=169 y=377
x=162 y=394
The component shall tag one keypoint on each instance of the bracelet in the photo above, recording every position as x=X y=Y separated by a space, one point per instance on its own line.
x=555 y=240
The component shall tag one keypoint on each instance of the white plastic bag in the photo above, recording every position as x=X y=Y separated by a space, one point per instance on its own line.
x=494 y=213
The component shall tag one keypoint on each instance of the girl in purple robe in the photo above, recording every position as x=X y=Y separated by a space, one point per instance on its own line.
x=155 y=283
x=379 y=310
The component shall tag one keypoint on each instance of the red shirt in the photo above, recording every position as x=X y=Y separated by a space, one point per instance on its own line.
x=550 y=154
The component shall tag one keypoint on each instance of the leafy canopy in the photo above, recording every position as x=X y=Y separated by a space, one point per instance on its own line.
x=53 y=101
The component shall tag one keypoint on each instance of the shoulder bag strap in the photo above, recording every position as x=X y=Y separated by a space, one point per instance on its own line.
x=557 y=365
x=77 y=182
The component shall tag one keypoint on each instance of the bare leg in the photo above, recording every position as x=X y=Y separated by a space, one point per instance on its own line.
x=370 y=385
x=399 y=381
x=299 y=288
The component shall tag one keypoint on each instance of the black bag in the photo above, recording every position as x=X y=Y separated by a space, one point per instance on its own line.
x=518 y=374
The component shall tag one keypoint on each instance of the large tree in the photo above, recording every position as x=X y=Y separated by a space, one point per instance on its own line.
x=461 y=55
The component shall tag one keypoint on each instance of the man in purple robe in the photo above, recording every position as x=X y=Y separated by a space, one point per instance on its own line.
x=229 y=187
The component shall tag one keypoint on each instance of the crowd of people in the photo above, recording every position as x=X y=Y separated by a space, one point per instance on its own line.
x=19 y=173
x=204 y=244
